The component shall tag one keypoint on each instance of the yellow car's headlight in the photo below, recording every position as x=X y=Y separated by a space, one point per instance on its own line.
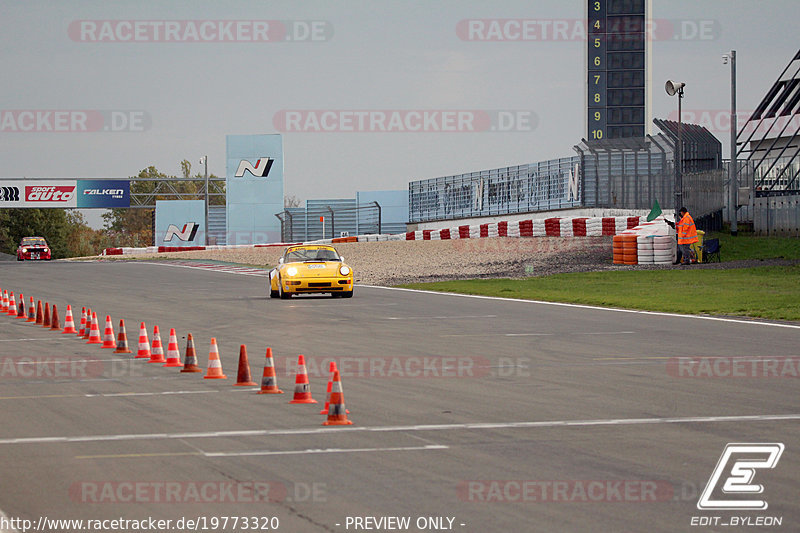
x=344 y=270
x=291 y=271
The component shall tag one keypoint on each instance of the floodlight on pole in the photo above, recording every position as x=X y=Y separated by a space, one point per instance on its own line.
x=672 y=88
x=733 y=169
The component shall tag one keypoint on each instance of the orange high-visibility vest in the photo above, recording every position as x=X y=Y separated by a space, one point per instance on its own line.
x=687 y=232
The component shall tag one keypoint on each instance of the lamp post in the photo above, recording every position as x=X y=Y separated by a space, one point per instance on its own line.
x=733 y=169
x=673 y=88
x=204 y=160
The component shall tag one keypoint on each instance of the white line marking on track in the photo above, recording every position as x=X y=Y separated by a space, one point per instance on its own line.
x=163 y=393
x=437 y=317
x=593 y=307
x=438 y=427
x=61 y=360
x=325 y=450
x=538 y=334
x=242 y=271
x=28 y=339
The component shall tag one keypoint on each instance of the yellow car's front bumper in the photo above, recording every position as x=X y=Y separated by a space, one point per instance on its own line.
x=308 y=285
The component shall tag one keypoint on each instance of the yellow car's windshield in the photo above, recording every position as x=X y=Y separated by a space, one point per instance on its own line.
x=311 y=254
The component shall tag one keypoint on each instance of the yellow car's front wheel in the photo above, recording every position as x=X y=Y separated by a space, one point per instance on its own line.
x=283 y=294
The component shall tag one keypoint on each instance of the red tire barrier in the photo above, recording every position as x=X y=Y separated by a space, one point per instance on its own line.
x=609 y=226
x=552 y=227
x=162 y=249
x=579 y=227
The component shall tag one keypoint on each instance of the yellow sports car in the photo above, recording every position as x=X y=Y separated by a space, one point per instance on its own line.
x=311 y=268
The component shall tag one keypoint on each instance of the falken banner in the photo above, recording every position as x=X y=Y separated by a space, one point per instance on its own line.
x=104 y=193
x=66 y=194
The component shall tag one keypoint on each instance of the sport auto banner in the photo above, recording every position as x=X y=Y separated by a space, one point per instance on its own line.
x=38 y=193
x=65 y=193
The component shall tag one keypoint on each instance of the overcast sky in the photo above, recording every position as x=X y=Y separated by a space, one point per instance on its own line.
x=178 y=99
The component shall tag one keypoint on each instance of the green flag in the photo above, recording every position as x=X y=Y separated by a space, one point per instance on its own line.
x=654 y=212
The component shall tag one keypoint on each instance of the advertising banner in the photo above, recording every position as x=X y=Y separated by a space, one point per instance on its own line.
x=254 y=184
x=104 y=193
x=67 y=194
x=38 y=193
x=180 y=223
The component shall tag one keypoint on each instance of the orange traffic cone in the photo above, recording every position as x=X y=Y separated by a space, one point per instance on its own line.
x=4 y=303
x=190 y=360
x=82 y=329
x=302 y=388
x=144 y=344
x=173 y=352
x=69 y=321
x=214 y=370
x=21 y=313
x=337 y=412
x=157 y=351
x=332 y=370
x=243 y=378
x=12 y=305
x=46 y=317
x=122 y=339
x=269 y=384
x=108 y=334
x=34 y=313
x=54 y=322
x=87 y=333
x=94 y=332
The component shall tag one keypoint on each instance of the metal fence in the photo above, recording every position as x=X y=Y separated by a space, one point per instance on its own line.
x=340 y=218
x=547 y=185
x=633 y=173
x=777 y=213
x=628 y=173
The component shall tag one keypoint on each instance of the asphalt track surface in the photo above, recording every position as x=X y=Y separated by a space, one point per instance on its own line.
x=457 y=404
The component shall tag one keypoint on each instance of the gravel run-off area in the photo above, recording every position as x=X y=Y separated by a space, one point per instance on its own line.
x=395 y=262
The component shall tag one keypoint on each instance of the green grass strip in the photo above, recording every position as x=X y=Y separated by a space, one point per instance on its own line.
x=766 y=292
x=749 y=247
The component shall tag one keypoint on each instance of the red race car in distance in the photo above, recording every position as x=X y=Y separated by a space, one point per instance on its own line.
x=33 y=248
